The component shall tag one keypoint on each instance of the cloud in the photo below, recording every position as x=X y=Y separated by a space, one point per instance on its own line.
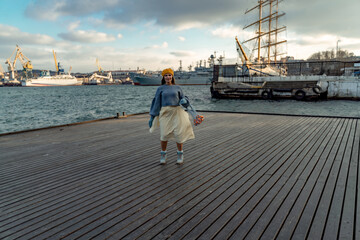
x=309 y=44
x=90 y=36
x=45 y=10
x=313 y=39
x=12 y=35
x=181 y=26
x=53 y=9
x=163 y=45
x=179 y=15
x=182 y=53
x=317 y=17
x=227 y=31
x=74 y=25
x=332 y=17
x=182 y=14
x=306 y=23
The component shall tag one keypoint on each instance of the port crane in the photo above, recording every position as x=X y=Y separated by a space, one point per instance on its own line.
x=99 y=77
x=25 y=62
x=2 y=72
x=99 y=67
x=243 y=56
x=58 y=67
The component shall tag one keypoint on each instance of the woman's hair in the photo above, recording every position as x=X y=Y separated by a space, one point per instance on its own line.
x=172 y=81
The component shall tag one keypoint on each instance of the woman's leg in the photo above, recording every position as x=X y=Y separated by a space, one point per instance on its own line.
x=179 y=146
x=163 y=145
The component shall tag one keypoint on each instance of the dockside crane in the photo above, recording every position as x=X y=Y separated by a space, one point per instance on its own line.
x=2 y=72
x=99 y=77
x=11 y=66
x=25 y=62
x=243 y=56
x=98 y=66
x=58 y=67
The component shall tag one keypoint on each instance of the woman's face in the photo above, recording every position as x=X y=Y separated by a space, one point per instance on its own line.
x=168 y=79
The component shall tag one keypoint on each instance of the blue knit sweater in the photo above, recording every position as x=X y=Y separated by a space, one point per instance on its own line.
x=166 y=95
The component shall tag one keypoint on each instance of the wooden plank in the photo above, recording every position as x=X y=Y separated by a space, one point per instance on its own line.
x=219 y=184
x=323 y=208
x=245 y=176
x=315 y=186
x=334 y=216
x=240 y=225
x=282 y=206
x=221 y=165
x=45 y=208
x=348 y=216
x=241 y=199
x=357 y=203
x=290 y=220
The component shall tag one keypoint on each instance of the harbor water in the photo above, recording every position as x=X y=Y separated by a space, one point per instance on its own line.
x=25 y=108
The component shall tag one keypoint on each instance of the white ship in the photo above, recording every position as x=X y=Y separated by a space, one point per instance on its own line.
x=46 y=80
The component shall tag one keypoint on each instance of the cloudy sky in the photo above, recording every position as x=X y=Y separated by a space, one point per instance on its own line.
x=154 y=34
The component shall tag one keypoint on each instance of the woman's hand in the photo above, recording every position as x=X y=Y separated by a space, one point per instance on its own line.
x=184 y=102
x=151 y=121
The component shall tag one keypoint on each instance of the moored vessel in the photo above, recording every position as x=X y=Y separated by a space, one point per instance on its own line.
x=266 y=77
x=46 y=80
x=181 y=78
x=201 y=75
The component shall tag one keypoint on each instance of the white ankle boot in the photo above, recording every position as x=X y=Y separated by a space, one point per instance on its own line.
x=163 y=157
x=180 y=157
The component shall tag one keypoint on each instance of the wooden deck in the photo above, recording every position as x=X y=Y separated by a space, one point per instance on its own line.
x=246 y=176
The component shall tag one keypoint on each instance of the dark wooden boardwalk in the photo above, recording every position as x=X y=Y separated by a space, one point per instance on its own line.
x=245 y=177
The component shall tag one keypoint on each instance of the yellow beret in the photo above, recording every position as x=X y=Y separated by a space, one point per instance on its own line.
x=167 y=71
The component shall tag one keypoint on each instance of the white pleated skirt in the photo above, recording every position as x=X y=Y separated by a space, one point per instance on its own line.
x=174 y=124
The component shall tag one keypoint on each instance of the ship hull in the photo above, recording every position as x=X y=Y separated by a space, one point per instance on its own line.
x=47 y=81
x=297 y=87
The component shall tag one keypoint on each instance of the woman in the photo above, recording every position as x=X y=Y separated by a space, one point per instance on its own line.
x=166 y=112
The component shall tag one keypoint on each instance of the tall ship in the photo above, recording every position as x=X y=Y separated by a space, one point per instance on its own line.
x=262 y=58
x=46 y=79
x=201 y=75
x=261 y=74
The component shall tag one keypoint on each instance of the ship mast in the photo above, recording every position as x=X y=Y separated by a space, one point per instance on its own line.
x=276 y=33
x=268 y=59
x=269 y=32
x=259 y=32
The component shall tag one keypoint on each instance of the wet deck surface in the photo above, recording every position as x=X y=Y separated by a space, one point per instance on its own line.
x=244 y=177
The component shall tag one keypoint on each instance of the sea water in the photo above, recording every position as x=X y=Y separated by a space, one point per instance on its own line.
x=24 y=108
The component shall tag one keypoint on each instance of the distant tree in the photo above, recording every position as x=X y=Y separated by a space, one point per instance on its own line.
x=345 y=54
x=329 y=55
x=332 y=55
